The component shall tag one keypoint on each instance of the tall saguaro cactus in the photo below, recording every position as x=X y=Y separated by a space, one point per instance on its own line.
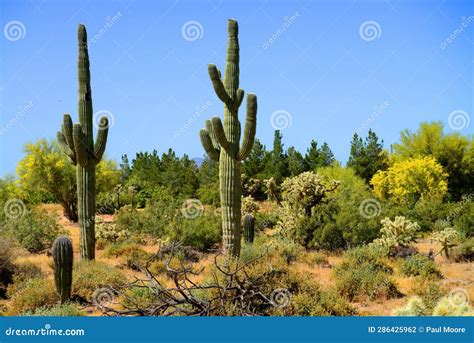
x=221 y=141
x=78 y=143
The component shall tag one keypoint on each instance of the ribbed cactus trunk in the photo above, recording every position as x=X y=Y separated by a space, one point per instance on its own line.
x=63 y=260
x=78 y=143
x=249 y=228
x=221 y=142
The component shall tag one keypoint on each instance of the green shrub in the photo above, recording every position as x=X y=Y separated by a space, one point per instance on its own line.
x=465 y=222
x=7 y=268
x=465 y=251
x=429 y=290
x=34 y=230
x=89 y=276
x=265 y=220
x=364 y=275
x=315 y=257
x=209 y=193
x=130 y=253
x=320 y=303
x=201 y=233
x=33 y=294
x=65 y=310
x=419 y=265
x=137 y=297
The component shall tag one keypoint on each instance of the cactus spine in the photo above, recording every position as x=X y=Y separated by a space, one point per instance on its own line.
x=249 y=228
x=221 y=142
x=78 y=143
x=63 y=256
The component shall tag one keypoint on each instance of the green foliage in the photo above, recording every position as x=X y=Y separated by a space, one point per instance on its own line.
x=398 y=233
x=465 y=251
x=34 y=293
x=89 y=276
x=363 y=274
x=464 y=223
x=296 y=162
x=277 y=166
x=429 y=290
x=347 y=226
x=61 y=310
x=367 y=158
x=35 y=230
x=137 y=297
x=419 y=265
x=129 y=253
x=318 y=157
x=256 y=163
x=7 y=267
x=201 y=233
x=208 y=176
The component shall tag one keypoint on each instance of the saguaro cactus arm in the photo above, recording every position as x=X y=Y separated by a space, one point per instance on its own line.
x=250 y=127
x=80 y=145
x=208 y=145
x=65 y=139
x=218 y=130
x=101 y=139
x=219 y=88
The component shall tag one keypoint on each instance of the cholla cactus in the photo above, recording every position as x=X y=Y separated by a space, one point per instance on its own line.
x=451 y=306
x=414 y=307
x=307 y=190
x=395 y=234
x=250 y=186
x=272 y=190
x=249 y=206
x=447 y=237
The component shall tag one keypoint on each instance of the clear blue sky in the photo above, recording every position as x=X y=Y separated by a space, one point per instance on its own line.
x=321 y=67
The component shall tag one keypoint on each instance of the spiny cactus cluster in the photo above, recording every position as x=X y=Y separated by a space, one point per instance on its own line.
x=249 y=206
x=63 y=260
x=400 y=232
x=446 y=306
x=447 y=238
x=221 y=141
x=78 y=143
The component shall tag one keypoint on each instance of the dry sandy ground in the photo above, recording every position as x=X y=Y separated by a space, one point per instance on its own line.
x=455 y=275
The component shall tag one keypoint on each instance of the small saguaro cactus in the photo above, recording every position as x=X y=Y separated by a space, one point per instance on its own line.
x=62 y=257
x=221 y=141
x=78 y=143
x=249 y=228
